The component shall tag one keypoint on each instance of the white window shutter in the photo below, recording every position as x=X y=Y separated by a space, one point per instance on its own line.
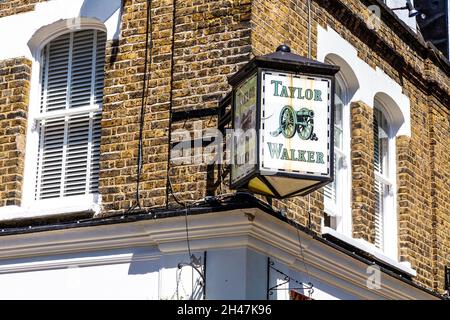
x=69 y=148
x=99 y=66
x=329 y=191
x=76 y=155
x=95 y=153
x=50 y=161
x=54 y=76
x=376 y=141
x=379 y=214
x=82 y=66
x=379 y=187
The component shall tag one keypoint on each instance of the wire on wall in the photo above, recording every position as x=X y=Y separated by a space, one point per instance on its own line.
x=298 y=285
x=169 y=188
x=194 y=262
x=309 y=30
x=303 y=256
x=296 y=225
x=199 y=267
x=148 y=48
x=309 y=195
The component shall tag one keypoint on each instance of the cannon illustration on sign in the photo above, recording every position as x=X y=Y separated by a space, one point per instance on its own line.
x=291 y=122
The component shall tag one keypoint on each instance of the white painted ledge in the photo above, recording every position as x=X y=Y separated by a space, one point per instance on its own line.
x=371 y=249
x=52 y=207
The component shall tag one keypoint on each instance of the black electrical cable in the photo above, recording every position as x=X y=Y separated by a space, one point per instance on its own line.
x=295 y=225
x=186 y=208
x=169 y=134
x=188 y=241
x=169 y=188
x=148 y=47
x=309 y=30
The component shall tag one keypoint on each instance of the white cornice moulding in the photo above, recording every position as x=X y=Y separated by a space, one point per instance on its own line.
x=264 y=234
x=76 y=262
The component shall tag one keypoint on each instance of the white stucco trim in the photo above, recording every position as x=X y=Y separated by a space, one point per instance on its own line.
x=343 y=211
x=371 y=249
x=106 y=12
x=51 y=207
x=46 y=33
x=249 y=228
x=84 y=262
x=372 y=82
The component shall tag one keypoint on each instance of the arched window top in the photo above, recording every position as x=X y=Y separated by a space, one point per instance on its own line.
x=390 y=110
x=346 y=75
x=49 y=32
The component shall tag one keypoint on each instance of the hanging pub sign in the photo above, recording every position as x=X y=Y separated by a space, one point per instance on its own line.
x=283 y=115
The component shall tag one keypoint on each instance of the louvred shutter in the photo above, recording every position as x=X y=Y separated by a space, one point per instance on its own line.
x=329 y=191
x=378 y=184
x=69 y=148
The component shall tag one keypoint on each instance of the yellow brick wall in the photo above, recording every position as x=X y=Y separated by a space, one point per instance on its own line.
x=11 y=7
x=212 y=39
x=363 y=178
x=14 y=97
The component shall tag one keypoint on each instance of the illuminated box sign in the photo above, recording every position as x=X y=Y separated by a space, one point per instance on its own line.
x=282 y=121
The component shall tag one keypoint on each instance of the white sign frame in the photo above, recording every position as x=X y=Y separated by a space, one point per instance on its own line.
x=267 y=120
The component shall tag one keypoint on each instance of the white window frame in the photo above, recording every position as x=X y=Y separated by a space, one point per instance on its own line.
x=55 y=206
x=389 y=180
x=341 y=211
x=65 y=115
